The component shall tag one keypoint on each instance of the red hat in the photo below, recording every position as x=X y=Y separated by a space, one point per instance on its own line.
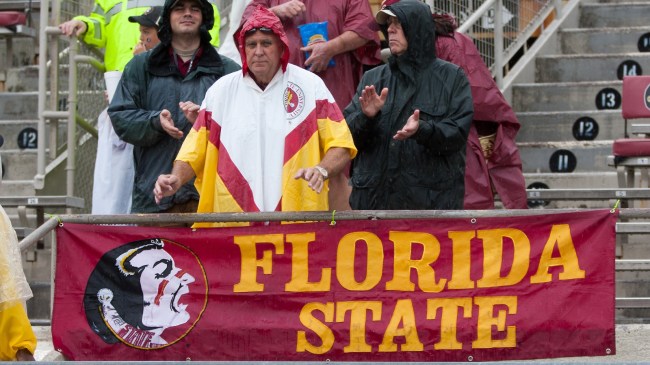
x=262 y=18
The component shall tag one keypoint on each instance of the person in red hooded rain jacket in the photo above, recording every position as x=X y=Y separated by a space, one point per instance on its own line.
x=498 y=168
x=495 y=167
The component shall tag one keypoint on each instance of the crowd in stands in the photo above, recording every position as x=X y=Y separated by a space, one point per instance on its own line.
x=456 y=147
x=289 y=121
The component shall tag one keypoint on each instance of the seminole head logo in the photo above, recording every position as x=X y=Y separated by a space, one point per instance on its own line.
x=146 y=294
x=294 y=100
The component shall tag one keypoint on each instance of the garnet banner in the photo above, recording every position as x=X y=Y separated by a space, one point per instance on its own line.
x=440 y=289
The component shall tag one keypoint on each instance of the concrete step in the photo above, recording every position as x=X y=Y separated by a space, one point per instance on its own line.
x=18 y=164
x=636 y=248
x=25 y=78
x=22 y=79
x=17 y=188
x=37 y=265
x=11 y=129
x=570 y=125
x=566 y=96
x=38 y=308
x=592 y=179
x=610 y=15
x=576 y=156
x=629 y=287
x=590 y=67
x=633 y=288
x=603 y=40
x=574 y=180
x=19 y=105
x=24 y=50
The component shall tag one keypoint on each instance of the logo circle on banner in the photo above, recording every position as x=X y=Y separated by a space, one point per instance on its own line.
x=608 y=98
x=537 y=203
x=585 y=129
x=628 y=68
x=28 y=138
x=146 y=294
x=644 y=43
x=2 y=140
x=562 y=161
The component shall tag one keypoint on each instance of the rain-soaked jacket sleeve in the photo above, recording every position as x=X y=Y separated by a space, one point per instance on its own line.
x=135 y=125
x=96 y=24
x=449 y=133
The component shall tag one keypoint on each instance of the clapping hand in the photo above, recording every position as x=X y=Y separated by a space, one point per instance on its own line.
x=409 y=129
x=190 y=110
x=371 y=103
x=167 y=124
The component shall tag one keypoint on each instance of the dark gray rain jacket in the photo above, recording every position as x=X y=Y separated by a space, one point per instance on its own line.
x=150 y=83
x=427 y=170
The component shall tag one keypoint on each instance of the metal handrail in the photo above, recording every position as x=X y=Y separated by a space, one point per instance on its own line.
x=313 y=216
x=71 y=115
x=502 y=57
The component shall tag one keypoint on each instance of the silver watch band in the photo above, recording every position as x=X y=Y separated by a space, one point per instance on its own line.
x=322 y=171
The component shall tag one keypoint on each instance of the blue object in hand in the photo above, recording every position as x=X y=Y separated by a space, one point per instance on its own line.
x=314 y=33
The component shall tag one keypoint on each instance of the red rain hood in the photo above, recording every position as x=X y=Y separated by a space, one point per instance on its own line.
x=262 y=17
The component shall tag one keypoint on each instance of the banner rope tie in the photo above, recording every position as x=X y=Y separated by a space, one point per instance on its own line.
x=56 y=217
x=333 y=222
x=616 y=204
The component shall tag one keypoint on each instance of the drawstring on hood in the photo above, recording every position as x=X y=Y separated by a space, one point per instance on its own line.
x=261 y=18
x=165 y=30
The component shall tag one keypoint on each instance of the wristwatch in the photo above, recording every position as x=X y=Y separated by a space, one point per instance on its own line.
x=322 y=171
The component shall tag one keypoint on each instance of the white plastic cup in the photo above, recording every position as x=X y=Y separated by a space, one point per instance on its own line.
x=112 y=78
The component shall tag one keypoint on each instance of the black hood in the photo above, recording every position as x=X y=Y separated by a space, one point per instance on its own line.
x=419 y=29
x=165 y=30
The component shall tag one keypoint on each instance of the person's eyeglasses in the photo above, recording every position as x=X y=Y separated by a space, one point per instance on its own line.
x=261 y=29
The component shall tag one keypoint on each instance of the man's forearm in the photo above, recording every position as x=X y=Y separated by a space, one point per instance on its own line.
x=183 y=171
x=335 y=160
x=346 y=42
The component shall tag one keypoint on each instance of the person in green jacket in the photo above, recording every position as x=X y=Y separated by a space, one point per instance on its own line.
x=157 y=100
x=108 y=28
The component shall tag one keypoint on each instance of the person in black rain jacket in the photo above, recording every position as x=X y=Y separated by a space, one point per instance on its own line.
x=410 y=120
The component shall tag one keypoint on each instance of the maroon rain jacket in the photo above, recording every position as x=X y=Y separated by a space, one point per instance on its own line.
x=504 y=166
